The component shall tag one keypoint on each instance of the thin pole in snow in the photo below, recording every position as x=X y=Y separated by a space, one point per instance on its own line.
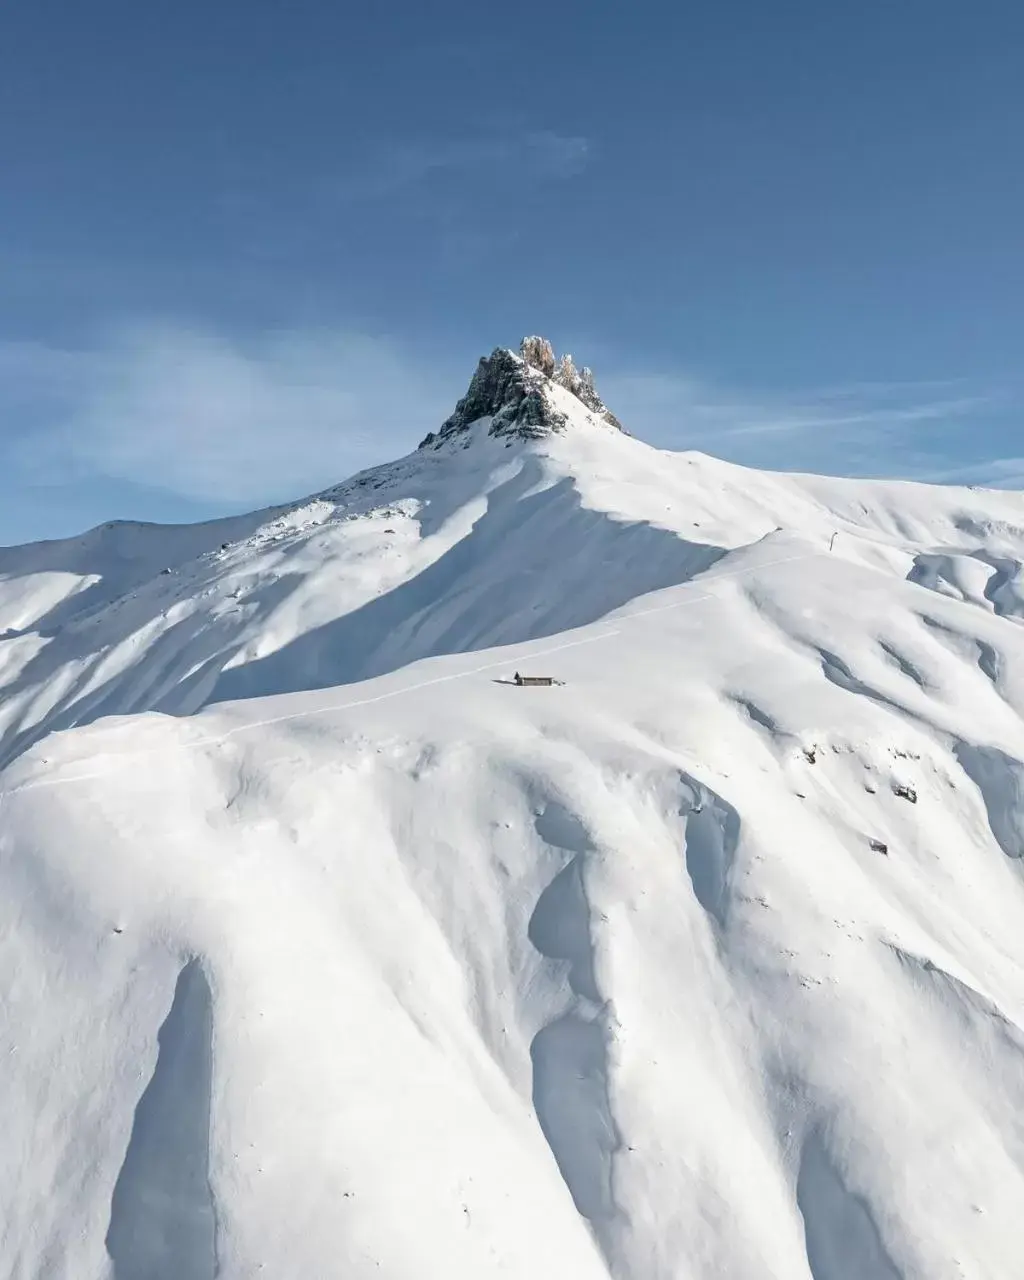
x=832 y=540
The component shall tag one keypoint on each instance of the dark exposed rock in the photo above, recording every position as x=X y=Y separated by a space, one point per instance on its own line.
x=515 y=393
x=539 y=354
x=509 y=392
x=580 y=383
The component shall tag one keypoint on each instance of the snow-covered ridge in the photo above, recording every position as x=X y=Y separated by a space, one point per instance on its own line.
x=448 y=549
x=706 y=963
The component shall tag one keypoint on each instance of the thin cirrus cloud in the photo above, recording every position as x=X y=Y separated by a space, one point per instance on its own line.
x=924 y=430
x=210 y=419
x=540 y=154
x=459 y=193
x=995 y=473
x=228 y=421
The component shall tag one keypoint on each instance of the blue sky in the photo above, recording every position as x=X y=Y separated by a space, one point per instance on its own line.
x=246 y=248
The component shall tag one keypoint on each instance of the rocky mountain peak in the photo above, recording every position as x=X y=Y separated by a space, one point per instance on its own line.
x=515 y=391
x=539 y=354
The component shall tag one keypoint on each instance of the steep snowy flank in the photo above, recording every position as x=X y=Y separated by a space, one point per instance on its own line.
x=706 y=963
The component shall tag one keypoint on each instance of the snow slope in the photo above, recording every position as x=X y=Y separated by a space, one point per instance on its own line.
x=707 y=963
x=472 y=545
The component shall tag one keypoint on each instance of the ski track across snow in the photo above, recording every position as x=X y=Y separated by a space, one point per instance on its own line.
x=547 y=651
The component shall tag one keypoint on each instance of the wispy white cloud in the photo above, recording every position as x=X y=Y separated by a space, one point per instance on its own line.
x=189 y=411
x=240 y=422
x=993 y=473
x=456 y=198
x=825 y=415
x=906 y=428
x=498 y=156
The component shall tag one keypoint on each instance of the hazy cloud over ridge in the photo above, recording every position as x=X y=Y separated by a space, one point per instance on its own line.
x=242 y=422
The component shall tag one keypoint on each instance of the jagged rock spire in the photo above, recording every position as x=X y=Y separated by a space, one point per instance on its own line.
x=515 y=393
x=539 y=354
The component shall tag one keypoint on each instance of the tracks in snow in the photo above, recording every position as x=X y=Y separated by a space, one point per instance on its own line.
x=607 y=632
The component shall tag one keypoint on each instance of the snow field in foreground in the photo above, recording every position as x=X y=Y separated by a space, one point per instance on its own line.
x=467 y=980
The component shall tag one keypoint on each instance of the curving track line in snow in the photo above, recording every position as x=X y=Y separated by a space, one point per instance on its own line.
x=214 y=740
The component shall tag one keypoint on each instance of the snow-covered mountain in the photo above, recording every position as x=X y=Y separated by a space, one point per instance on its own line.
x=335 y=953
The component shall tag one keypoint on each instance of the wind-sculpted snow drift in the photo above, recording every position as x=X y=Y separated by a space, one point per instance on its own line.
x=707 y=963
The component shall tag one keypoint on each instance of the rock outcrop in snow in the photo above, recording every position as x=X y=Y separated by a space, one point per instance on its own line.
x=519 y=394
x=539 y=354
